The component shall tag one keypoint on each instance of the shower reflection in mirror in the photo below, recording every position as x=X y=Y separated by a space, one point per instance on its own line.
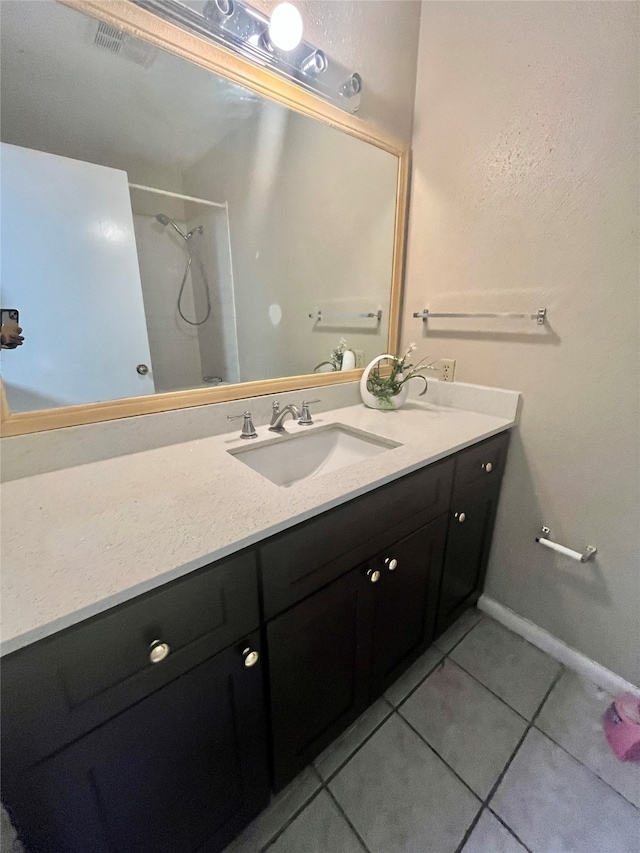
x=182 y=245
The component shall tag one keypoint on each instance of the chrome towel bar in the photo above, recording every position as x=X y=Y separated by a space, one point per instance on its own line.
x=318 y=315
x=540 y=315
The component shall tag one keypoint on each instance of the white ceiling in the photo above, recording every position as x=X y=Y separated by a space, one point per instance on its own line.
x=64 y=95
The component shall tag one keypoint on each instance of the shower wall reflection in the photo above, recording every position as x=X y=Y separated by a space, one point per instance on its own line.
x=190 y=323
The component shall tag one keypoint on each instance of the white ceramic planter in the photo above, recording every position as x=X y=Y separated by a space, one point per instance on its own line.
x=374 y=402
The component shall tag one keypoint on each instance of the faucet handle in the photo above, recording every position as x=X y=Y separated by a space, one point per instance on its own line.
x=305 y=416
x=248 y=429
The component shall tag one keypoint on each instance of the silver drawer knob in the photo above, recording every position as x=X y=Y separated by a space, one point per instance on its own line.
x=250 y=658
x=374 y=576
x=488 y=467
x=142 y=369
x=460 y=516
x=392 y=564
x=158 y=651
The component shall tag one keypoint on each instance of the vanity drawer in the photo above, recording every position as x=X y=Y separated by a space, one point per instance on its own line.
x=301 y=561
x=484 y=461
x=59 y=689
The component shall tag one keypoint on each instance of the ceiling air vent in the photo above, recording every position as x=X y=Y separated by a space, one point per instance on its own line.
x=109 y=38
x=116 y=42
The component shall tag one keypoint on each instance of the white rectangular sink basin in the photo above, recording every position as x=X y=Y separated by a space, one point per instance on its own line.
x=288 y=459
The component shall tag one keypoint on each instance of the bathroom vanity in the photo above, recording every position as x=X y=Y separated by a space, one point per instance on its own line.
x=164 y=721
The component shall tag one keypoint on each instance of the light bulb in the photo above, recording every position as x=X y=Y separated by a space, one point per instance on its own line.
x=285 y=26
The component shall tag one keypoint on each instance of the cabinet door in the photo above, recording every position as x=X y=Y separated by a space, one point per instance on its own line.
x=299 y=562
x=468 y=544
x=319 y=671
x=69 y=684
x=184 y=770
x=405 y=602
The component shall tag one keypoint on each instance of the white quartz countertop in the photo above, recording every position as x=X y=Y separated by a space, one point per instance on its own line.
x=78 y=541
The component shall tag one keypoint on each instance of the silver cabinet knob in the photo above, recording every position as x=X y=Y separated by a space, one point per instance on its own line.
x=392 y=564
x=158 y=651
x=251 y=658
x=460 y=516
x=488 y=467
x=373 y=575
x=142 y=369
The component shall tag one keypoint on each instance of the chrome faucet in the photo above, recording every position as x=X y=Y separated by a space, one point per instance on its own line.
x=279 y=415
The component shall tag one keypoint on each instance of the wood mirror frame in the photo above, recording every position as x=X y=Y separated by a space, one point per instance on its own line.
x=148 y=27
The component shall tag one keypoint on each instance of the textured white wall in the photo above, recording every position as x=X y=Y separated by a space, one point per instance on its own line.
x=286 y=177
x=376 y=38
x=526 y=180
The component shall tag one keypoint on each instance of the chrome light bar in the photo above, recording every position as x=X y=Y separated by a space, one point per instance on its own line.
x=245 y=30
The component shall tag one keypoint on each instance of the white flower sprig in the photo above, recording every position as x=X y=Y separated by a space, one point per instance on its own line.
x=337 y=354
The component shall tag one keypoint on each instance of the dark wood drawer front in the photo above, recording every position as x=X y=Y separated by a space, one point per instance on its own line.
x=484 y=461
x=89 y=673
x=301 y=561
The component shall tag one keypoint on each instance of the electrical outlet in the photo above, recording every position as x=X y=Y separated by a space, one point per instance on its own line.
x=359 y=354
x=447 y=369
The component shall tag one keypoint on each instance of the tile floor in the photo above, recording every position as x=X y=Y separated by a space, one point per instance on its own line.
x=486 y=745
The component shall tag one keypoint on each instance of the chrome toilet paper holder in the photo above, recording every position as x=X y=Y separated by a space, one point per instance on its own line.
x=584 y=556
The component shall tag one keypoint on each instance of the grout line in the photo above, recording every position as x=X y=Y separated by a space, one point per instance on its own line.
x=335 y=772
x=470 y=829
x=526 y=732
x=422 y=680
x=498 y=781
x=396 y=709
x=437 y=754
x=440 y=661
x=586 y=766
x=509 y=830
x=346 y=817
x=291 y=818
x=323 y=787
x=466 y=633
x=493 y=693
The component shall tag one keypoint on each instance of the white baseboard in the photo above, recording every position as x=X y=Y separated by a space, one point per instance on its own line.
x=554 y=647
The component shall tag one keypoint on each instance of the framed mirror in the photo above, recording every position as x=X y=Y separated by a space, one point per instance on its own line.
x=179 y=226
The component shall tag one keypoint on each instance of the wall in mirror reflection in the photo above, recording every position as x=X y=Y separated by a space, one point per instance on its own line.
x=164 y=229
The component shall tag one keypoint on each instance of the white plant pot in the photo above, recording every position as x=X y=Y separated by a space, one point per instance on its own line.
x=374 y=402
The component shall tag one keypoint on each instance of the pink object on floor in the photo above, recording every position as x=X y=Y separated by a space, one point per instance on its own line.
x=621 y=722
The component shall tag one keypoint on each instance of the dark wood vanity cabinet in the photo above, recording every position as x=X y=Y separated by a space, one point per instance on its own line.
x=349 y=639
x=105 y=751
x=472 y=517
x=350 y=598
x=406 y=598
x=332 y=654
x=183 y=770
x=319 y=653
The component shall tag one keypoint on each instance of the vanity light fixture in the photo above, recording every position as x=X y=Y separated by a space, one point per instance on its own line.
x=286 y=27
x=275 y=43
